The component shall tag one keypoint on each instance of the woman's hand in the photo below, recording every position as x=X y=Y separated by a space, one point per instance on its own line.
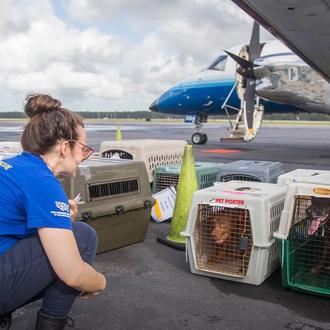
x=73 y=209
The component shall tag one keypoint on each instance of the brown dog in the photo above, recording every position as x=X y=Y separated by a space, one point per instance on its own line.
x=220 y=235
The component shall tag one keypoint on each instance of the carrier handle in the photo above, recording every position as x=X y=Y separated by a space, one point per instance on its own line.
x=149 y=203
x=86 y=216
x=119 y=209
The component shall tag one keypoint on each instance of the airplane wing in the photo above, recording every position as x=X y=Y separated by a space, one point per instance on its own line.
x=303 y=25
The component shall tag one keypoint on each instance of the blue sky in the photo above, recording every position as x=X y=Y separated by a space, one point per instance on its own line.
x=114 y=55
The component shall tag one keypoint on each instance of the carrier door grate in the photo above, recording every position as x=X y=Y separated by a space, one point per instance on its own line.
x=240 y=177
x=164 y=180
x=104 y=190
x=223 y=240
x=309 y=245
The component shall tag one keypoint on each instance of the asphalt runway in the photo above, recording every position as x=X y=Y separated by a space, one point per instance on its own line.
x=150 y=286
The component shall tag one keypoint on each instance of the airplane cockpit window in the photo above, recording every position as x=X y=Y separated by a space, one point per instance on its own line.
x=219 y=64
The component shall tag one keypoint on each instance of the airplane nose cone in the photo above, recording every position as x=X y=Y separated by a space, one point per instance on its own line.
x=153 y=107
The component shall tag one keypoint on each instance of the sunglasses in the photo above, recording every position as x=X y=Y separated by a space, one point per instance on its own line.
x=86 y=150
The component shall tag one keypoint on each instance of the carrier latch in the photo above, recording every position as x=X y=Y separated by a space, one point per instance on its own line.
x=243 y=243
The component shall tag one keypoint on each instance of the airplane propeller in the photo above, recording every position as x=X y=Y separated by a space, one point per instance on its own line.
x=246 y=69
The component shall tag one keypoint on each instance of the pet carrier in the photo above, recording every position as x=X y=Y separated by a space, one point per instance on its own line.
x=10 y=147
x=117 y=200
x=168 y=175
x=229 y=233
x=251 y=170
x=152 y=152
x=304 y=175
x=304 y=236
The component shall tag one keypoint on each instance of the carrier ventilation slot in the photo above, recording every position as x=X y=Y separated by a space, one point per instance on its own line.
x=239 y=177
x=164 y=159
x=275 y=217
x=223 y=239
x=105 y=190
x=208 y=179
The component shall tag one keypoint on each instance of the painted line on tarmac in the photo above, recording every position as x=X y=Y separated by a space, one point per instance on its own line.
x=97 y=128
x=220 y=151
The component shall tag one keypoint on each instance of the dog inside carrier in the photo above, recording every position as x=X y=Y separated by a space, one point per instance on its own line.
x=223 y=239
x=230 y=231
x=309 y=242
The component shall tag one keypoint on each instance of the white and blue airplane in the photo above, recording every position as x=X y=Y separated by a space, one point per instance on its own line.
x=248 y=79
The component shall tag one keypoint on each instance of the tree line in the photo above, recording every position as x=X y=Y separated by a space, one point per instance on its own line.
x=147 y=115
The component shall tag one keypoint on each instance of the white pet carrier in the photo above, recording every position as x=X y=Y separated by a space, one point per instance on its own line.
x=304 y=234
x=230 y=230
x=305 y=175
x=152 y=152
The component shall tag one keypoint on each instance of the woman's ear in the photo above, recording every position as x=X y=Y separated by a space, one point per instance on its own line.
x=64 y=147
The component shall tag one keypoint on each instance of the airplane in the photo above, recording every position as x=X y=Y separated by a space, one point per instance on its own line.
x=303 y=26
x=247 y=79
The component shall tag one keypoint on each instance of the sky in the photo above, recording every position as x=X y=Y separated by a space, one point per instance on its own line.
x=118 y=55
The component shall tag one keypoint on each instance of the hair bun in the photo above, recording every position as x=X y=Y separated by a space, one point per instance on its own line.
x=37 y=104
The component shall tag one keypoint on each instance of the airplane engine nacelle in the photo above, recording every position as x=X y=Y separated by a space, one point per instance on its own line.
x=294 y=84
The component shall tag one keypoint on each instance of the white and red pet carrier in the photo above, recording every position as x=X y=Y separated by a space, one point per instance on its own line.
x=230 y=230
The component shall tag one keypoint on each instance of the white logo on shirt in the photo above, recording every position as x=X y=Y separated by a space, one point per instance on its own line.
x=64 y=207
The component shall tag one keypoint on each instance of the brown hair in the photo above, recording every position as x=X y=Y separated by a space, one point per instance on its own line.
x=48 y=123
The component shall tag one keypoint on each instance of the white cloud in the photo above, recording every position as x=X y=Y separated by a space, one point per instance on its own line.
x=117 y=55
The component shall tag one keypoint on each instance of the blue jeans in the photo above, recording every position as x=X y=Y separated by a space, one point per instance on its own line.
x=26 y=274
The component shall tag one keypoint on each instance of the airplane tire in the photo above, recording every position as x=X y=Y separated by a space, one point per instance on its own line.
x=199 y=138
x=205 y=138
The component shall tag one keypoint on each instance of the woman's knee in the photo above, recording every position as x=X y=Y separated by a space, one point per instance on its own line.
x=86 y=238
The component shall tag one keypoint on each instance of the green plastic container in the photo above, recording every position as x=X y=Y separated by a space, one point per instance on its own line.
x=117 y=200
x=299 y=254
x=168 y=175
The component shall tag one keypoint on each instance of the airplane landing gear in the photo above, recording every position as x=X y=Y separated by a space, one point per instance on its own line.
x=199 y=138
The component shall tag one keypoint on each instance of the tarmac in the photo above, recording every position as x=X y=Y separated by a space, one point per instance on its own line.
x=150 y=286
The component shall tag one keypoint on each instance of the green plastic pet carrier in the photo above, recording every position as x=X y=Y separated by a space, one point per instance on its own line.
x=304 y=239
x=168 y=175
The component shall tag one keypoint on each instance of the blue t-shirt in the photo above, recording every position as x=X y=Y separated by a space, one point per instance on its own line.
x=31 y=197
